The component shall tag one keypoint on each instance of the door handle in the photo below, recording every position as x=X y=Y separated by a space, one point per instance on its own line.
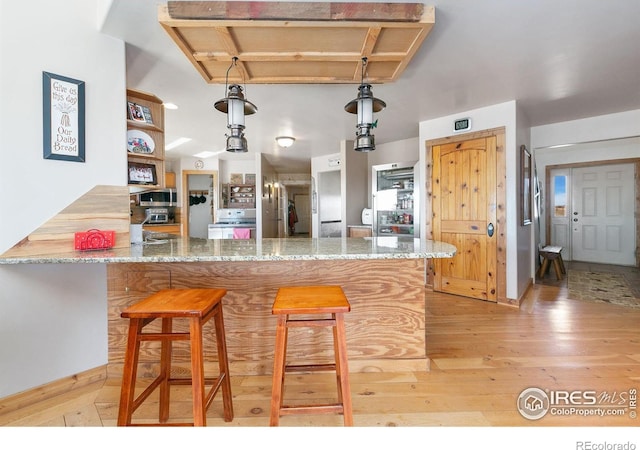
x=490 y=230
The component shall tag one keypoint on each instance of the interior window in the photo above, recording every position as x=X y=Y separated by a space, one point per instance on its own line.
x=560 y=195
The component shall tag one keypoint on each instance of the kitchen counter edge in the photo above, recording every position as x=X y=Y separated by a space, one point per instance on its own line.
x=204 y=250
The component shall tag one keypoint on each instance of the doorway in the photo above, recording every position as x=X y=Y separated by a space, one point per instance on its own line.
x=199 y=202
x=467 y=210
x=590 y=212
x=296 y=209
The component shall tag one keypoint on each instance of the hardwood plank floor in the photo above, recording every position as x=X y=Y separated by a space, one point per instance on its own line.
x=483 y=357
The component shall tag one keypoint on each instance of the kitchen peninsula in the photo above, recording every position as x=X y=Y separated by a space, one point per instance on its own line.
x=384 y=279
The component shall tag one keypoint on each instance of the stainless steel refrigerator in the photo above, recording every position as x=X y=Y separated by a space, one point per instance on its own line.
x=395 y=199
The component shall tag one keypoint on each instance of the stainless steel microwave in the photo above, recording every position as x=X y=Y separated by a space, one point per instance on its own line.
x=159 y=197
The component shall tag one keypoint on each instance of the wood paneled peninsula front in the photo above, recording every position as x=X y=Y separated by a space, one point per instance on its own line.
x=384 y=279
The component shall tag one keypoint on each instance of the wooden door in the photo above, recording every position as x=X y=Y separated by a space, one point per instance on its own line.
x=464 y=214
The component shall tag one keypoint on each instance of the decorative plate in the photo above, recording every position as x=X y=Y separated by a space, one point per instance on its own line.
x=140 y=142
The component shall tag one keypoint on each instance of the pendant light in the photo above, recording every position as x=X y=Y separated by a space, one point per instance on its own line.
x=364 y=106
x=235 y=106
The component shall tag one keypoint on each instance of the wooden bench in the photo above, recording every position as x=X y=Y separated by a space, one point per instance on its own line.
x=548 y=254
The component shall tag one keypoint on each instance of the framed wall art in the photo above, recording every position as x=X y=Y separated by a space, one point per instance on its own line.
x=63 y=118
x=141 y=173
x=525 y=185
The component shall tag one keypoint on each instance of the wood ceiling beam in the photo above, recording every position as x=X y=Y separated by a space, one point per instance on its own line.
x=296 y=56
x=270 y=38
x=253 y=10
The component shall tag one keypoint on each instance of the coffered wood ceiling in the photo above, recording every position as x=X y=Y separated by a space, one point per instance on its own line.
x=295 y=43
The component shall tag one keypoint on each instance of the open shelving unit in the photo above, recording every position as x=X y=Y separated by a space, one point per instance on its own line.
x=145 y=116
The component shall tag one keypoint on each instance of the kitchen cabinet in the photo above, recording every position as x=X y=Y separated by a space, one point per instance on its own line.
x=238 y=196
x=170 y=180
x=172 y=228
x=355 y=231
x=145 y=137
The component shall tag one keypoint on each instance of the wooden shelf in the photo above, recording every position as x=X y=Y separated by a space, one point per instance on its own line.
x=239 y=196
x=132 y=124
x=154 y=107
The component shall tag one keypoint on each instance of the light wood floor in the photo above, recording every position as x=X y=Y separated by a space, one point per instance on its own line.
x=483 y=357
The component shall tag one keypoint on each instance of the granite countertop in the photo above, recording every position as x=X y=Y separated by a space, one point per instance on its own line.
x=196 y=250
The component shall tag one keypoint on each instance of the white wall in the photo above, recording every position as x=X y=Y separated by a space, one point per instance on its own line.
x=502 y=115
x=39 y=301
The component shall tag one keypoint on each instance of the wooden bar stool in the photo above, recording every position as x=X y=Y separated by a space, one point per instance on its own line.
x=330 y=303
x=550 y=254
x=197 y=306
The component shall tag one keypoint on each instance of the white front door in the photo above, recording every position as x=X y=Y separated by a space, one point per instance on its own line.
x=602 y=214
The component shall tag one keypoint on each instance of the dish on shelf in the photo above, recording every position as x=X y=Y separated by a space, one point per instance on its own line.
x=140 y=142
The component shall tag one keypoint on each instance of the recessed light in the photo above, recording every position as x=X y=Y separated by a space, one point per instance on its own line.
x=177 y=142
x=207 y=154
x=170 y=105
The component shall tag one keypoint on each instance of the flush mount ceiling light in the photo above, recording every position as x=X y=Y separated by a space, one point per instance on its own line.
x=285 y=141
x=235 y=107
x=364 y=106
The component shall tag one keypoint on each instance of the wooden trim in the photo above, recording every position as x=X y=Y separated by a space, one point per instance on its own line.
x=50 y=390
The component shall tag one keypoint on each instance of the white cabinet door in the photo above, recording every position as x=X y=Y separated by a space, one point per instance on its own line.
x=215 y=233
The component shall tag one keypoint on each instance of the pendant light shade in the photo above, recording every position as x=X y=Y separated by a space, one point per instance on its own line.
x=364 y=106
x=236 y=107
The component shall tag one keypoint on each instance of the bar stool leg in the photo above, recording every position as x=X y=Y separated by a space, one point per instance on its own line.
x=197 y=373
x=130 y=373
x=223 y=362
x=342 y=369
x=544 y=267
x=558 y=268
x=278 y=370
x=562 y=268
x=165 y=370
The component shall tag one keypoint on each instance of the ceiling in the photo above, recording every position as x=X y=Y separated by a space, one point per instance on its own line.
x=561 y=60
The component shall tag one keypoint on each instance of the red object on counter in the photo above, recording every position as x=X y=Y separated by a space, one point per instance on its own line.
x=95 y=239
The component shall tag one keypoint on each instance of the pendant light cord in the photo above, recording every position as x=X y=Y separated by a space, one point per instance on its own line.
x=234 y=62
x=364 y=64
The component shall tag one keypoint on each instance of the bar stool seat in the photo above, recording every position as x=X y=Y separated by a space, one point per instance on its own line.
x=328 y=303
x=197 y=306
x=549 y=254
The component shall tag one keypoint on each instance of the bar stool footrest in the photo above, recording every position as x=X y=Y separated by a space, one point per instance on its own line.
x=310 y=368
x=328 y=408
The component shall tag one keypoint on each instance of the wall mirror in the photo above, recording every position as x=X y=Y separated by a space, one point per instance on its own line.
x=525 y=185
